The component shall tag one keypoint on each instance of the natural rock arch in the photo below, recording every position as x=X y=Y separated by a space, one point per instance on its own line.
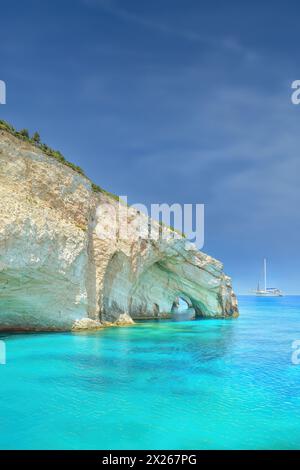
x=145 y=282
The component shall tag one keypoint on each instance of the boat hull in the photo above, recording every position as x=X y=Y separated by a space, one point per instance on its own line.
x=268 y=294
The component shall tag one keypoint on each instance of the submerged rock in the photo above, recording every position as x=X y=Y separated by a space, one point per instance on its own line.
x=57 y=273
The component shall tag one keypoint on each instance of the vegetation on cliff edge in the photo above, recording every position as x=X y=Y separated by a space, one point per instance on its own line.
x=35 y=140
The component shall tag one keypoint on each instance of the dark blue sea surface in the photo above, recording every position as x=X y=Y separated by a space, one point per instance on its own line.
x=203 y=384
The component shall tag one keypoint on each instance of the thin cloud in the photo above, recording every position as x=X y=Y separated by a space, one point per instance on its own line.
x=229 y=43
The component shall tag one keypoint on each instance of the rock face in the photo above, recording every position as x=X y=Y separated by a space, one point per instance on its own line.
x=58 y=273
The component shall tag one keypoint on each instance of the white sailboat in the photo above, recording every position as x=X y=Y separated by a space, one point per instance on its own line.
x=267 y=291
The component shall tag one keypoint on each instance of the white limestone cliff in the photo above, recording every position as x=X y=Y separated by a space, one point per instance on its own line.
x=56 y=273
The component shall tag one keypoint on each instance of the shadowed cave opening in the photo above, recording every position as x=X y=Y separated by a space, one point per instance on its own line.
x=156 y=310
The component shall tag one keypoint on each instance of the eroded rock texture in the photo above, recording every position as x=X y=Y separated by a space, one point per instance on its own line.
x=55 y=270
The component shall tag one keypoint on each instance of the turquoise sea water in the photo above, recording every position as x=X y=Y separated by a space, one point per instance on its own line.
x=205 y=384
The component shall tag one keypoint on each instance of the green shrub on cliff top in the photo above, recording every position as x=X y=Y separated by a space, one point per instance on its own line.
x=98 y=189
x=36 y=138
x=24 y=133
x=6 y=126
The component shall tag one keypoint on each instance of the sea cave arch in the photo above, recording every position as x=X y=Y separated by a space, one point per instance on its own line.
x=158 y=290
x=154 y=292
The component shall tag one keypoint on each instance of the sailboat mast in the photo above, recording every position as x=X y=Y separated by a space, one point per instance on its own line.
x=265 y=273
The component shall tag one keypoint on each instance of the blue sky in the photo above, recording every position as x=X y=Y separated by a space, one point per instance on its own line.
x=172 y=101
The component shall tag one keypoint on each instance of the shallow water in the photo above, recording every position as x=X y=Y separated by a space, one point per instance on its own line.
x=206 y=384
